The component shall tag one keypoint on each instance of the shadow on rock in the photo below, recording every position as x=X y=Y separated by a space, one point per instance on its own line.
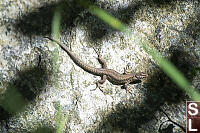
x=160 y=90
x=39 y=21
x=24 y=88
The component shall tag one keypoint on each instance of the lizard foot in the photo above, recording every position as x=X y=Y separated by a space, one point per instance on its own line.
x=127 y=69
x=100 y=82
x=98 y=85
x=128 y=90
x=97 y=51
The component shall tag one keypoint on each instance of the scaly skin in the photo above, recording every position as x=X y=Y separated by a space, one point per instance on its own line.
x=105 y=73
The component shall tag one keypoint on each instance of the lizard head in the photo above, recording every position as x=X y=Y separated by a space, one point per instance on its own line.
x=137 y=77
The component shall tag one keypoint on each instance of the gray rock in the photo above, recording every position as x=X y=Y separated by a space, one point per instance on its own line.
x=36 y=76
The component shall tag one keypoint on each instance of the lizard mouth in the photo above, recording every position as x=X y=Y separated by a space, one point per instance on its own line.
x=140 y=75
x=136 y=81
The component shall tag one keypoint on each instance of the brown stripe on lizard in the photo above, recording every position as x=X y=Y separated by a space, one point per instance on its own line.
x=113 y=76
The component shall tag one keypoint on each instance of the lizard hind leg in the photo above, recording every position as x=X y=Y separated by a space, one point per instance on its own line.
x=104 y=66
x=100 y=82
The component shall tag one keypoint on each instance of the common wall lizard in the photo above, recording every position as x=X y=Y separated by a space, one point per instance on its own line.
x=113 y=76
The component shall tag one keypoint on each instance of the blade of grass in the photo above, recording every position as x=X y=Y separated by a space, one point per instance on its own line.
x=60 y=123
x=165 y=65
x=112 y=21
x=56 y=24
x=13 y=101
x=56 y=35
x=172 y=72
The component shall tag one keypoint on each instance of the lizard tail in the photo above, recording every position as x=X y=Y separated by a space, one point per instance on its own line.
x=77 y=61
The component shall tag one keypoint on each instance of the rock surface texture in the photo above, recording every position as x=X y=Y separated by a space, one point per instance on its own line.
x=38 y=80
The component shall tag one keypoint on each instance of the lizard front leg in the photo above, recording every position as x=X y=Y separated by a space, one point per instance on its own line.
x=125 y=86
x=100 y=82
